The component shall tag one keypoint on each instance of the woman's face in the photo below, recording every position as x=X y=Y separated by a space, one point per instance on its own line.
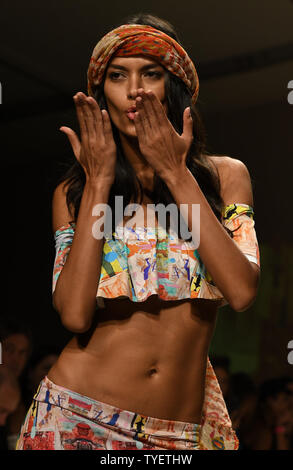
x=16 y=349
x=124 y=76
x=279 y=403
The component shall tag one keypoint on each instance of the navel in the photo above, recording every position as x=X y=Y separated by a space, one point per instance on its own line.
x=153 y=371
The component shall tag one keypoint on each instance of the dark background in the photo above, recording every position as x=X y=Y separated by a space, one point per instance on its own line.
x=243 y=52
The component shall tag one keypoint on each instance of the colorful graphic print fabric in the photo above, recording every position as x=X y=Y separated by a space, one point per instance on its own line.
x=60 y=419
x=144 y=262
x=131 y=40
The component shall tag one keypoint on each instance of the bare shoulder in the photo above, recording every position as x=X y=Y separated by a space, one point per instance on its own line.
x=234 y=179
x=60 y=212
x=226 y=165
x=219 y=162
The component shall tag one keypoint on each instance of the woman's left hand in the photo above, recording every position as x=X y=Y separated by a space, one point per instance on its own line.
x=163 y=148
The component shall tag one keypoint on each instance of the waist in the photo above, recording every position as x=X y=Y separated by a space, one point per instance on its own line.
x=149 y=361
x=111 y=416
x=161 y=392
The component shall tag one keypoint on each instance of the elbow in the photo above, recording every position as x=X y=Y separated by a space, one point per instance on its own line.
x=247 y=295
x=243 y=303
x=75 y=323
x=75 y=327
x=76 y=319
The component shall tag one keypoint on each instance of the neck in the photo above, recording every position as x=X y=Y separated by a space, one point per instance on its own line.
x=143 y=170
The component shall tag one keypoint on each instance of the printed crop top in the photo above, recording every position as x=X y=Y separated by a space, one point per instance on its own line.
x=143 y=262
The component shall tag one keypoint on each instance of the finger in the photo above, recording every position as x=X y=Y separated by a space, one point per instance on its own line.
x=148 y=110
x=138 y=115
x=78 y=106
x=158 y=108
x=139 y=127
x=107 y=125
x=141 y=115
x=187 y=125
x=73 y=139
x=89 y=118
x=97 y=115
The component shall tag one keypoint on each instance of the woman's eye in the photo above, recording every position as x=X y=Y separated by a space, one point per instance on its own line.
x=116 y=75
x=154 y=74
x=113 y=75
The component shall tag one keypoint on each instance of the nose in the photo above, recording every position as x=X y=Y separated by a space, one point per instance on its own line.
x=134 y=83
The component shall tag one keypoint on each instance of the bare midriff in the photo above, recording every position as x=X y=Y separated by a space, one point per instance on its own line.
x=148 y=357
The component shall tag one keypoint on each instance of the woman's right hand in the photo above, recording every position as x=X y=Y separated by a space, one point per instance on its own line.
x=96 y=152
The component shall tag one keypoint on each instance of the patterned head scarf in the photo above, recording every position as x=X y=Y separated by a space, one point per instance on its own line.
x=133 y=39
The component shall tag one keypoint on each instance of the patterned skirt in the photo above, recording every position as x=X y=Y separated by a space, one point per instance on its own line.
x=60 y=419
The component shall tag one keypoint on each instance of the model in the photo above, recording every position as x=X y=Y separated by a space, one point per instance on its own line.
x=142 y=300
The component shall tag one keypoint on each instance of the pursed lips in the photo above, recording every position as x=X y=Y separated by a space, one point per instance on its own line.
x=130 y=112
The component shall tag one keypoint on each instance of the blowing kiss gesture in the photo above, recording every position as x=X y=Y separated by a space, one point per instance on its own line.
x=163 y=148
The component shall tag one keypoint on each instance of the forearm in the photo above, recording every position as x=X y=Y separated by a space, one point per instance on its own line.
x=228 y=266
x=76 y=289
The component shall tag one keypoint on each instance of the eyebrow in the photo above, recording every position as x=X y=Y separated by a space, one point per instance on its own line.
x=145 y=67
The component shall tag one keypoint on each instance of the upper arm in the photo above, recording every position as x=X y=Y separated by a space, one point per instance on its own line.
x=237 y=188
x=235 y=182
x=60 y=212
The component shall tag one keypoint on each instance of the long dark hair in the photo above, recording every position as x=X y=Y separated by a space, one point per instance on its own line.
x=126 y=183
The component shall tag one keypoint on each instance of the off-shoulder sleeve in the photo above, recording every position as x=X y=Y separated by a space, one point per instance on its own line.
x=238 y=219
x=63 y=240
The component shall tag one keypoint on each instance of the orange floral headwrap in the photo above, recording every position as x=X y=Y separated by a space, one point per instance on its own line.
x=128 y=40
